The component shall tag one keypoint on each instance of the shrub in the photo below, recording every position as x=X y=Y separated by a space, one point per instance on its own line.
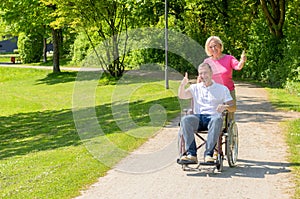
x=30 y=47
x=80 y=48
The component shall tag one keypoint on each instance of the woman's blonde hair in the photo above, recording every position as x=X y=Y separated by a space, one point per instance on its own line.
x=213 y=38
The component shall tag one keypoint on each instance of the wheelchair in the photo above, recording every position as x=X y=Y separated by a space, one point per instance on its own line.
x=226 y=147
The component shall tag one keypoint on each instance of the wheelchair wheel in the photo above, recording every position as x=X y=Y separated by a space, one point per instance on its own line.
x=181 y=150
x=232 y=144
x=220 y=163
x=181 y=146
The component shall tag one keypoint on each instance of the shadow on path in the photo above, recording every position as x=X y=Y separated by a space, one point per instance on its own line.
x=250 y=169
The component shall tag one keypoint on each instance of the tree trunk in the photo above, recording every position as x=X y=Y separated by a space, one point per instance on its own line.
x=55 y=40
x=274 y=10
x=45 y=50
x=60 y=42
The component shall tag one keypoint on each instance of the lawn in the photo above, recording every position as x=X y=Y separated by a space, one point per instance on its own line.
x=5 y=58
x=284 y=100
x=65 y=62
x=293 y=140
x=287 y=101
x=41 y=153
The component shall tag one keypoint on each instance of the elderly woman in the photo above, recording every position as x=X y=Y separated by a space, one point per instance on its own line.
x=222 y=64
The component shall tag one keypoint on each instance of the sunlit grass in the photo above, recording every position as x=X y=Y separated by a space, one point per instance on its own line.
x=41 y=153
x=283 y=100
x=293 y=140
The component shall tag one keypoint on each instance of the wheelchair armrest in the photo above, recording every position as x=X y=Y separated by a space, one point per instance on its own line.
x=225 y=113
x=188 y=111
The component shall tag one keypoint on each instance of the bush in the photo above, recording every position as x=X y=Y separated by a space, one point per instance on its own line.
x=271 y=60
x=80 y=48
x=30 y=47
x=293 y=87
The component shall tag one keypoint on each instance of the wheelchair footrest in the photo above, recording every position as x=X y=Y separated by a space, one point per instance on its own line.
x=185 y=162
x=208 y=163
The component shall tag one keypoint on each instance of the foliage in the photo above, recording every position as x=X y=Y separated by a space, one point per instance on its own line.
x=145 y=13
x=107 y=19
x=107 y=79
x=273 y=59
x=274 y=11
x=268 y=30
x=36 y=17
x=30 y=47
x=263 y=63
x=291 y=48
x=199 y=20
x=23 y=16
x=293 y=87
x=80 y=48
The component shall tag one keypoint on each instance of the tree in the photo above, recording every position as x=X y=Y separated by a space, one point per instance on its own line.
x=24 y=17
x=31 y=16
x=56 y=36
x=104 y=19
x=274 y=11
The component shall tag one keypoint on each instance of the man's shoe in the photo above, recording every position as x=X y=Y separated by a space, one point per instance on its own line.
x=209 y=159
x=189 y=159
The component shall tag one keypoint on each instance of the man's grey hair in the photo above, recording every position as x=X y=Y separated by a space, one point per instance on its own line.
x=203 y=65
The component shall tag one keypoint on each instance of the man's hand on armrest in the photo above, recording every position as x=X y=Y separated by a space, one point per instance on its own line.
x=228 y=106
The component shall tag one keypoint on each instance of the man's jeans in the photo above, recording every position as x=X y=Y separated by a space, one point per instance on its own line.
x=191 y=123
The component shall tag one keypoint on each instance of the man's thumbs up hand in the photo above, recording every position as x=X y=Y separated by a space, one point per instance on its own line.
x=185 y=80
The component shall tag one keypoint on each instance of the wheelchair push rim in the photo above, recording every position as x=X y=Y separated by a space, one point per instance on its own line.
x=232 y=144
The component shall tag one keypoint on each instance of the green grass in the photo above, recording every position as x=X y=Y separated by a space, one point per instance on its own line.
x=41 y=153
x=64 y=62
x=293 y=140
x=283 y=100
x=5 y=58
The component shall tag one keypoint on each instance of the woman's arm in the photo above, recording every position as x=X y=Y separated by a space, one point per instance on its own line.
x=242 y=61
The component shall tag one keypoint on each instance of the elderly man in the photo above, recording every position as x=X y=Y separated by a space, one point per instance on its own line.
x=210 y=99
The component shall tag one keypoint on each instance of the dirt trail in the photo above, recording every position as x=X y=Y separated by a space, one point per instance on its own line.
x=262 y=171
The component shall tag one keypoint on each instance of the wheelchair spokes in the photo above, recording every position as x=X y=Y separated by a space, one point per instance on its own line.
x=232 y=144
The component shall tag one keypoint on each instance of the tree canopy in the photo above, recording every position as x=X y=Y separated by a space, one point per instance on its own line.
x=268 y=30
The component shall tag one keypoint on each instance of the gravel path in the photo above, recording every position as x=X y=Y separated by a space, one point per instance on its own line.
x=262 y=170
